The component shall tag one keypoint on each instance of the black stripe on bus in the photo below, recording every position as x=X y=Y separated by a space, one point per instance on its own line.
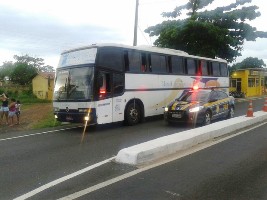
x=163 y=89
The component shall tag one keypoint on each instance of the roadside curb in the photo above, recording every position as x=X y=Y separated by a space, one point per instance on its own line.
x=164 y=146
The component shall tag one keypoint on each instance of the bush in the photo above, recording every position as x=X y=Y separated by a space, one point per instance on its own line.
x=30 y=98
x=25 y=95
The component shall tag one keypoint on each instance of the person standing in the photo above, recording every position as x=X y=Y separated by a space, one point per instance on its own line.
x=4 y=109
x=12 y=112
x=17 y=105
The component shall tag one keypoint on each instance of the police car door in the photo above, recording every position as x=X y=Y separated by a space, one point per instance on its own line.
x=224 y=102
x=215 y=107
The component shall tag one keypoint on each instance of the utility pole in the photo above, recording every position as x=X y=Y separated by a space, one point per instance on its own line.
x=136 y=23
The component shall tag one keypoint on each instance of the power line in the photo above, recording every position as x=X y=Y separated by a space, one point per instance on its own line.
x=144 y=35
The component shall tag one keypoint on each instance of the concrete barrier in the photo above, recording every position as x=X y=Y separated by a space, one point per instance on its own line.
x=167 y=145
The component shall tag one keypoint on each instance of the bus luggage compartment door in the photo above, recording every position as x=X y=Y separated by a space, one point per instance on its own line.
x=104 y=111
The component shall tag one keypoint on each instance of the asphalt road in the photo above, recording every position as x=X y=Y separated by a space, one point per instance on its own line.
x=27 y=163
x=233 y=169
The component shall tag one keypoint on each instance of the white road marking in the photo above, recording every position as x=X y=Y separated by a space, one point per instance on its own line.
x=41 y=133
x=127 y=175
x=60 y=180
x=102 y=185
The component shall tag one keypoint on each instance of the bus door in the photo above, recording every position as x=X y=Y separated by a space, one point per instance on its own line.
x=110 y=107
x=104 y=96
x=118 y=103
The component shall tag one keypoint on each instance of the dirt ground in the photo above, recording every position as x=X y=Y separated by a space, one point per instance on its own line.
x=30 y=116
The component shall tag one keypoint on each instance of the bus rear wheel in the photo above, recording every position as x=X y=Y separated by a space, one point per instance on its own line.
x=133 y=114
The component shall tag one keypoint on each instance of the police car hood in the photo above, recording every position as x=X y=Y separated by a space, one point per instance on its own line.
x=183 y=105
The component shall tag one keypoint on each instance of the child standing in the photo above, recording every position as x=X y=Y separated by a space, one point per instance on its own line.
x=17 y=105
x=12 y=112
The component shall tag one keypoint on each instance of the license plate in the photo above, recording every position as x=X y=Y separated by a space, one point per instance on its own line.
x=69 y=118
x=176 y=115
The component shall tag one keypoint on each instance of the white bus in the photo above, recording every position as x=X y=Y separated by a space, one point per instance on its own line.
x=108 y=83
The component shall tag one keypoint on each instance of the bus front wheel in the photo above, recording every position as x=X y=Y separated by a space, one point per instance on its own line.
x=133 y=114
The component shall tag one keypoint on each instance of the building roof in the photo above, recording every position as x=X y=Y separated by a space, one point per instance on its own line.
x=47 y=74
x=255 y=69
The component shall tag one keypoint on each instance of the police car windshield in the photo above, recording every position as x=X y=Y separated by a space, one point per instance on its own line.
x=201 y=96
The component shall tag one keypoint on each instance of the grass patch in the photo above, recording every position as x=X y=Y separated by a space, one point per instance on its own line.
x=39 y=115
x=48 y=121
x=35 y=113
x=26 y=99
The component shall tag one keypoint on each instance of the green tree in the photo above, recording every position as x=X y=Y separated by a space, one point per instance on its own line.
x=211 y=33
x=6 y=69
x=24 y=69
x=47 y=68
x=37 y=63
x=23 y=73
x=249 y=62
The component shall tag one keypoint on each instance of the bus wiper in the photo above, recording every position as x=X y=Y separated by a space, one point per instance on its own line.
x=72 y=90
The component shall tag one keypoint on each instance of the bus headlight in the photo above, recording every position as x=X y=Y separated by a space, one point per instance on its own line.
x=166 y=109
x=196 y=109
x=56 y=116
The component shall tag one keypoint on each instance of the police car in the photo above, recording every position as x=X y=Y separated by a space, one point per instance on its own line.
x=200 y=107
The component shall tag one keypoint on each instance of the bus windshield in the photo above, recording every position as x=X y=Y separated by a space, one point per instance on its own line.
x=74 y=84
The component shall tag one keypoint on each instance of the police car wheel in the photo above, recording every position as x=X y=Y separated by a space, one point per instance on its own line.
x=207 y=118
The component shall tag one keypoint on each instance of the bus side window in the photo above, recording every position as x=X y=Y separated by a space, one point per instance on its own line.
x=104 y=85
x=144 y=63
x=223 y=69
x=215 y=69
x=209 y=68
x=110 y=57
x=204 y=68
x=126 y=61
x=191 y=66
x=177 y=65
x=149 y=69
x=118 y=84
x=158 y=63
x=169 y=65
x=133 y=59
x=199 y=68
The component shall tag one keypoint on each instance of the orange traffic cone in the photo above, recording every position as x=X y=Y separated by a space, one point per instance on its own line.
x=250 y=109
x=265 y=105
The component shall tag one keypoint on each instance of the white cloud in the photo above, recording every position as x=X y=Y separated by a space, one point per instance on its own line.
x=45 y=28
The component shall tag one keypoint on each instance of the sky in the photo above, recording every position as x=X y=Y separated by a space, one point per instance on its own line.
x=46 y=28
